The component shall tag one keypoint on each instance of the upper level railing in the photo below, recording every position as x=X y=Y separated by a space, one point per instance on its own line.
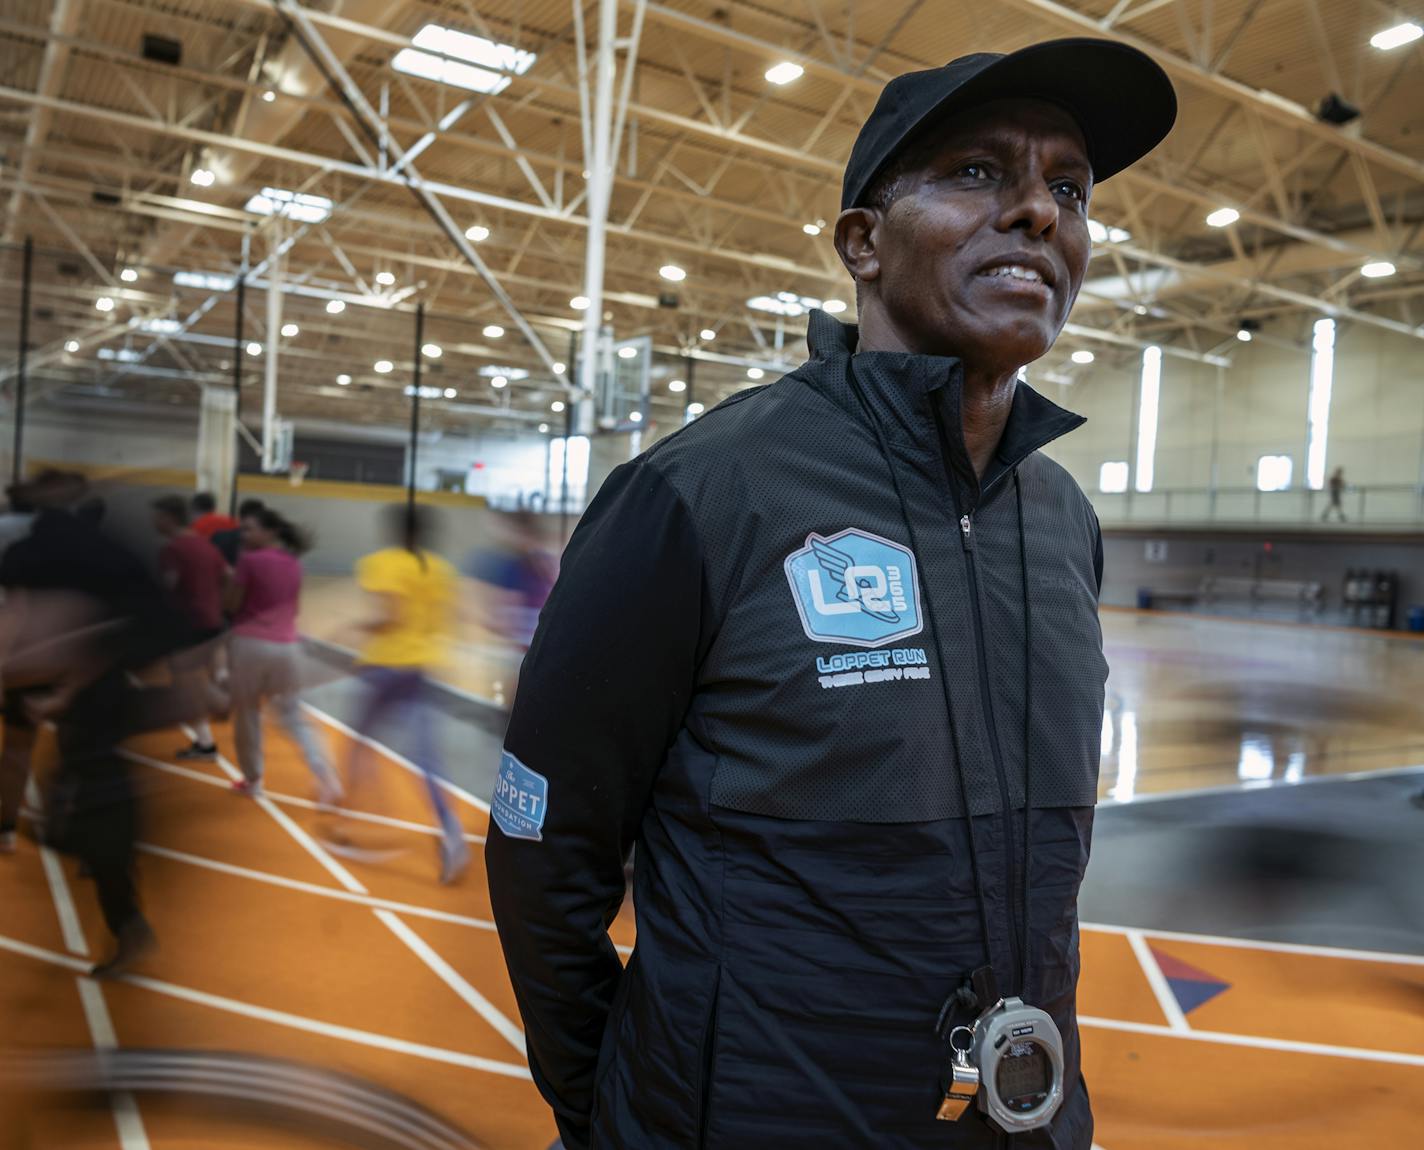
x=1382 y=506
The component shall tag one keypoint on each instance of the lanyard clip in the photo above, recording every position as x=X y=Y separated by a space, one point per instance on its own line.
x=963 y=1085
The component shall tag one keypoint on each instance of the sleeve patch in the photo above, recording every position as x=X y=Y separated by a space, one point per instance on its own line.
x=521 y=800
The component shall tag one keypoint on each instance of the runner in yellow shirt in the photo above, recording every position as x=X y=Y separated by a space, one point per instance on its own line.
x=415 y=596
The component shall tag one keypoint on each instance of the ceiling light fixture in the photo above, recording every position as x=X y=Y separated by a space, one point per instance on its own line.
x=494 y=331
x=708 y=334
x=676 y=385
x=543 y=429
x=344 y=379
x=627 y=353
x=499 y=381
x=1083 y=355
x=1396 y=37
x=579 y=303
x=1243 y=335
x=335 y=306
x=833 y=306
x=695 y=409
x=672 y=272
x=383 y=366
x=209 y=281
x=1378 y=269
x=557 y=405
x=202 y=177
x=254 y=348
x=128 y=275
x=559 y=368
x=71 y=346
x=432 y=351
x=811 y=229
x=385 y=279
x=1140 y=309
x=1222 y=218
x=477 y=233
x=784 y=73
x=104 y=303
x=268 y=96
x=755 y=373
x=635 y=417
x=290 y=330
x=450 y=393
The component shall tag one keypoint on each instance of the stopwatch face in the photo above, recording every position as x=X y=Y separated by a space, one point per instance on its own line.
x=1024 y=1077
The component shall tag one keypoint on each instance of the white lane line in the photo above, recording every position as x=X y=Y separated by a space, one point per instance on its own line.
x=303 y=840
x=447 y=974
x=442 y=970
x=1166 y=1000
x=128 y=1122
x=1257 y=944
x=1255 y=1042
x=395 y=757
x=282 y=1017
x=312 y=888
x=69 y=928
x=410 y=910
x=296 y=800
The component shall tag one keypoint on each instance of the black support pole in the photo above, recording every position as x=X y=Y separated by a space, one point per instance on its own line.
x=238 y=351
x=691 y=386
x=17 y=469
x=415 y=405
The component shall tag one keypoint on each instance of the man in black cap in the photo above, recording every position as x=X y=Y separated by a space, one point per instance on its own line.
x=830 y=658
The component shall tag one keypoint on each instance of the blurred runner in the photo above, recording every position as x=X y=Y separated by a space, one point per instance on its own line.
x=263 y=596
x=19 y=730
x=519 y=573
x=207 y=519
x=83 y=614
x=194 y=572
x=413 y=592
x=229 y=540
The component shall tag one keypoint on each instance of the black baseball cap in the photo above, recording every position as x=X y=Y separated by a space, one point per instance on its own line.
x=1123 y=102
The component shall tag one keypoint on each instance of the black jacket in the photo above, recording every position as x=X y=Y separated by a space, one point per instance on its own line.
x=793 y=646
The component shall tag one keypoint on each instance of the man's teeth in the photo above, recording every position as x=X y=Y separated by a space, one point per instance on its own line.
x=1014 y=271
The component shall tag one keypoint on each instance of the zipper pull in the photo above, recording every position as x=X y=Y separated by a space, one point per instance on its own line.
x=966 y=531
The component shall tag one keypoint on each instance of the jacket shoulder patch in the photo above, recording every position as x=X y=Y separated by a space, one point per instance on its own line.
x=521 y=800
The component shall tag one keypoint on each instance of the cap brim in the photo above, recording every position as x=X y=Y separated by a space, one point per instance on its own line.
x=1121 y=98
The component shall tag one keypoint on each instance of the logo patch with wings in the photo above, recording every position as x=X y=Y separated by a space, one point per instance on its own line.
x=855 y=588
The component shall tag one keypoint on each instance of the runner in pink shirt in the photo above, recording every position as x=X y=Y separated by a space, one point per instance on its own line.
x=264 y=596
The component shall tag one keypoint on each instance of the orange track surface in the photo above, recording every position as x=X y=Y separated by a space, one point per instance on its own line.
x=319 y=973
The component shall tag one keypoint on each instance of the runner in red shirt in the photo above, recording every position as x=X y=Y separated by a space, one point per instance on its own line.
x=207 y=519
x=194 y=571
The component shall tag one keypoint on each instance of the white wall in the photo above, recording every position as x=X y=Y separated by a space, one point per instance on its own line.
x=1258 y=407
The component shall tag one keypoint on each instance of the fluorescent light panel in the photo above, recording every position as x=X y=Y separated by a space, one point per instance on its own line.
x=462 y=60
x=1396 y=37
x=208 y=281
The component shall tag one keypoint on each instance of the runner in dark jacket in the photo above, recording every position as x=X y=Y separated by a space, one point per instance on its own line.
x=831 y=658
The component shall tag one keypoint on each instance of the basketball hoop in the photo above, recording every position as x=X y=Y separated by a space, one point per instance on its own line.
x=297 y=473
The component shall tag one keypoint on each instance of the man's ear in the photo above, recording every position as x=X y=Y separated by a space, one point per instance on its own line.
x=857 y=240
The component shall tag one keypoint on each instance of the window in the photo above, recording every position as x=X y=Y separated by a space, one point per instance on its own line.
x=1273 y=473
x=578 y=470
x=1147 y=417
x=1322 y=380
x=1112 y=477
x=451 y=57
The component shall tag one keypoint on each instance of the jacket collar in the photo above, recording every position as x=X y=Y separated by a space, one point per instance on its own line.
x=917 y=398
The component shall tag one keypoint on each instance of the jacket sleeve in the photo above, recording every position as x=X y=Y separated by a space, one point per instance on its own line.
x=602 y=694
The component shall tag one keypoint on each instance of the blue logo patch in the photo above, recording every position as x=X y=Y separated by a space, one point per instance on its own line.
x=854 y=587
x=521 y=800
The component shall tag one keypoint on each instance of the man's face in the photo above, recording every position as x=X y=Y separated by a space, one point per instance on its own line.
x=983 y=252
x=254 y=535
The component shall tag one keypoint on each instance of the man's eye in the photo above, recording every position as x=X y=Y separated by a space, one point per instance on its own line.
x=974 y=171
x=1070 y=188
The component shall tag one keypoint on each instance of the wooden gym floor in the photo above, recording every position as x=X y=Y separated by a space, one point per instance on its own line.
x=272 y=945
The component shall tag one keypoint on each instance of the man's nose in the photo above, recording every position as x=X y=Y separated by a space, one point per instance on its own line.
x=1029 y=206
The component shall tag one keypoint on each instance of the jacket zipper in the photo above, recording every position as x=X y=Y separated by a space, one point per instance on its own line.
x=1016 y=943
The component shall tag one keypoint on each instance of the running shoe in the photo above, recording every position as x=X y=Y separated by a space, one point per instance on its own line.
x=252 y=788
x=136 y=939
x=454 y=860
x=7 y=842
x=197 y=753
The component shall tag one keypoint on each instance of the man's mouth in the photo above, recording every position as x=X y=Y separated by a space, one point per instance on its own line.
x=1013 y=271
